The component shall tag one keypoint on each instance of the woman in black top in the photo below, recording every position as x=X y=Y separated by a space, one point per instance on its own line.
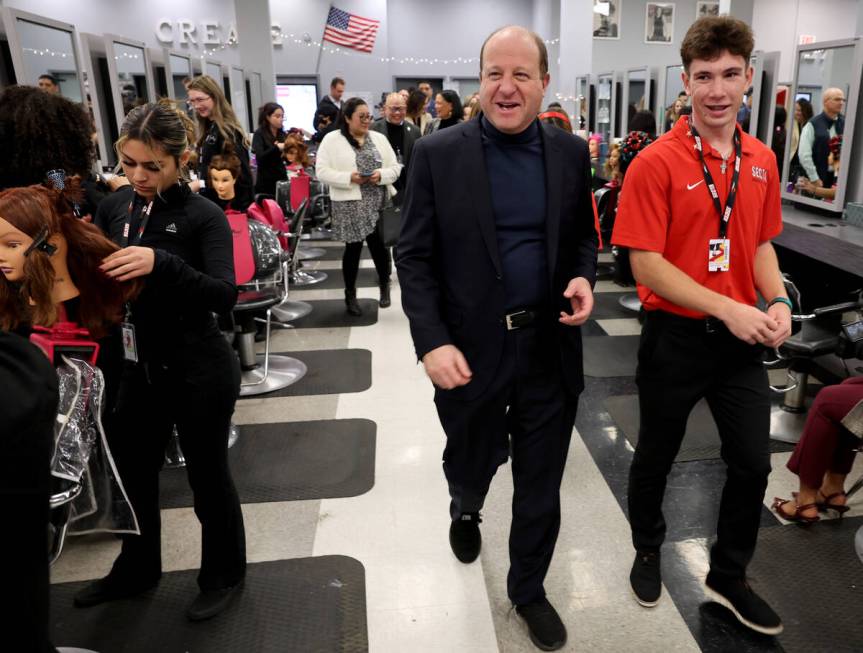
x=186 y=373
x=219 y=132
x=449 y=111
x=268 y=144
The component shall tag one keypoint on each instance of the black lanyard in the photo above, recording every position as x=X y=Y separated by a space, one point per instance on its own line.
x=145 y=213
x=724 y=214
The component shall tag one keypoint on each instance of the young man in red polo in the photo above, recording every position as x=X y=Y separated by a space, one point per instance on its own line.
x=697 y=212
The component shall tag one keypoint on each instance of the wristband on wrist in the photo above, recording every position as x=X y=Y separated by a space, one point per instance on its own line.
x=781 y=300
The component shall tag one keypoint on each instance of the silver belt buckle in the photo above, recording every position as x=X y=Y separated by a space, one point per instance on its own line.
x=509 y=325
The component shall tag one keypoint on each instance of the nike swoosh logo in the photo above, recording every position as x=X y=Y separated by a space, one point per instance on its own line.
x=691 y=186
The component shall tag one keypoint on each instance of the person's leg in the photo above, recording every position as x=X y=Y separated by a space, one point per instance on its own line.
x=540 y=421
x=203 y=421
x=740 y=404
x=381 y=257
x=350 y=269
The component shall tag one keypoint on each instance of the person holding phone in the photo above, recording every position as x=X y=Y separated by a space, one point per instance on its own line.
x=360 y=168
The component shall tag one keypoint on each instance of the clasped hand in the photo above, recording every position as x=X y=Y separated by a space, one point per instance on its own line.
x=129 y=263
x=359 y=179
x=753 y=326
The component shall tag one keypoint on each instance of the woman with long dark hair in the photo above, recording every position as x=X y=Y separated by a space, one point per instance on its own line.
x=449 y=111
x=360 y=167
x=219 y=132
x=180 y=370
x=268 y=146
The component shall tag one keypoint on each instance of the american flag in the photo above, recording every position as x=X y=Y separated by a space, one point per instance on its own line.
x=351 y=31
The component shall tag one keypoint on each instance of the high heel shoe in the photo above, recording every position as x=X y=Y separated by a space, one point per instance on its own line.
x=825 y=505
x=796 y=516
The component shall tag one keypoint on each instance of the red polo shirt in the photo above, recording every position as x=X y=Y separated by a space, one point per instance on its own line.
x=665 y=206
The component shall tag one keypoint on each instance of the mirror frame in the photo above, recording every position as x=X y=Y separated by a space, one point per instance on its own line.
x=214 y=62
x=10 y=20
x=766 y=69
x=105 y=151
x=579 y=80
x=649 y=87
x=851 y=108
x=256 y=77
x=612 y=105
x=110 y=40
x=238 y=69
x=169 y=72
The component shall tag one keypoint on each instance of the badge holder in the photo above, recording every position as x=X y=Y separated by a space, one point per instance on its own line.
x=719 y=255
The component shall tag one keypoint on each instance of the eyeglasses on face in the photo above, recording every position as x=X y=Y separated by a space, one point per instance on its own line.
x=197 y=100
x=397 y=109
x=364 y=117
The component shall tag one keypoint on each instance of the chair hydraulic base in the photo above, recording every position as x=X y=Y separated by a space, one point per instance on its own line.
x=319 y=233
x=290 y=310
x=309 y=253
x=272 y=373
x=631 y=302
x=786 y=427
x=307 y=277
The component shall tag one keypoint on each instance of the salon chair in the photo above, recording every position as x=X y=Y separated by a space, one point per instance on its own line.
x=606 y=200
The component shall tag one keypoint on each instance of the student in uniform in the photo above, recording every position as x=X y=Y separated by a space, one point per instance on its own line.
x=698 y=211
x=179 y=369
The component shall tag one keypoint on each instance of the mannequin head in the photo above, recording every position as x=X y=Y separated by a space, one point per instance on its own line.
x=223 y=171
x=48 y=256
x=296 y=152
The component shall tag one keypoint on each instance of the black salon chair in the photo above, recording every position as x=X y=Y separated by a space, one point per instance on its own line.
x=298 y=276
x=606 y=200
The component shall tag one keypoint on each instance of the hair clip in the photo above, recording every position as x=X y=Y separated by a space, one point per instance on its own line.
x=57 y=178
x=41 y=243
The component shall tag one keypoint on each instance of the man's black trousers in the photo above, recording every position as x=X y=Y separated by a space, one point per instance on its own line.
x=198 y=395
x=527 y=407
x=679 y=362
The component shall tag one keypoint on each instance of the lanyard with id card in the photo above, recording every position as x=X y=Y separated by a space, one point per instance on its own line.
x=719 y=249
x=130 y=343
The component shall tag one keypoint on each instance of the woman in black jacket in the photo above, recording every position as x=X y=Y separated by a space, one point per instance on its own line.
x=268 y=144
x=180 y=369
x=219 y=132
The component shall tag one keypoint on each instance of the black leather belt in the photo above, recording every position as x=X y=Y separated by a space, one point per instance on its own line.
x=695 y=324
x=520 y=319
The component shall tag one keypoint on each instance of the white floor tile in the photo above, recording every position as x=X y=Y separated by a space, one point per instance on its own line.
x=621 y=326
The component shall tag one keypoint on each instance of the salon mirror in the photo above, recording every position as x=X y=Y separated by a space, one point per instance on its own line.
x=604 y=105
x=673 y=89
x=214 y=70
x=130 y=75
x=256 y=91
x=638 y=89
x=180 y=67
x=819 y=147
x=581 y=102
x=238 y=96
x=41 y=46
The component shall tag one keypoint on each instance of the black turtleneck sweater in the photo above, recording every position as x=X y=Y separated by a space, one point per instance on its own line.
x=516 y=173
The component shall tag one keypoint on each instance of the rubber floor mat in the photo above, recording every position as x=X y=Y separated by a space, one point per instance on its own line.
x=701 y=441
x=606 y=356
x=292 y=461
x=366 y=278
x=334 y=253
x=307 y=604
x=330 y=371
x=331 y=313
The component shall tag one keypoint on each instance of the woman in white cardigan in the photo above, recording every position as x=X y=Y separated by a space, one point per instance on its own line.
x=360 y=167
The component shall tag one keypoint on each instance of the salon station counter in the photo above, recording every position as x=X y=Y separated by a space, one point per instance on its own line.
x=829 y=240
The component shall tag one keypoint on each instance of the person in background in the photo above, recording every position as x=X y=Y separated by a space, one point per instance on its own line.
x=593 y=145
x=644 y=121
x=268 y=146
x=557 y=118
x=405 y=93
x=400 y=133
x=834 y=160
x=416 y=113
x=449 y=111
x=803 y=113
x=180 y=370
x=777 y=142
x=49 y=84
x=673 y=112
x=472 y=107
x=698 y=223
x=612 y=166
x=219 y=132
x=426 y=89
x=328 y=110
x=813 y=148
x=360 y=168
x=824 y=455
x=222 y=174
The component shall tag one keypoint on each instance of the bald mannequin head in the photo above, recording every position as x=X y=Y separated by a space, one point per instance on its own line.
x=833 y=101
x=395 y=108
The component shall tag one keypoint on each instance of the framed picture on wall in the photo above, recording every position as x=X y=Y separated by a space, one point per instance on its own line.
x=703 y=9
x=606 y=19
x=659 y=22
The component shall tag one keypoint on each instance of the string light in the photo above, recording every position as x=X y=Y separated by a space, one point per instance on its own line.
x=47 y=53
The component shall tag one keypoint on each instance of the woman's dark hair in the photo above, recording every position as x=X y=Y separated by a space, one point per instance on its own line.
x=643 y=121
x=416 y=103
x=347 y=112
x=36 y=209
x=39 y=132
x=630 y=147
x=453 y=98
x=263 y=114
x=805 y=109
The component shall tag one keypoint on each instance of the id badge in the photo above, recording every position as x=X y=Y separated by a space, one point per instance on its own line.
x=130 y=346
x=719 y=255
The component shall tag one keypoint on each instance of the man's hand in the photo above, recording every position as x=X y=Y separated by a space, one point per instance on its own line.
x=781 y=314
x=751 y=325
x=129 y=263
x=580 y=297
x=447 y=367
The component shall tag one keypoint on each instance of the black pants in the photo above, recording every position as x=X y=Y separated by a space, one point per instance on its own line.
x=351 y=260
x=197 y=393
x=679 y=362
x=526 y=402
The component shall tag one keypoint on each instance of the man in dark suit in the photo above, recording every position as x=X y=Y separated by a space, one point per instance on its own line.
x=401 y=134
x=497 y=261
x=328 y=109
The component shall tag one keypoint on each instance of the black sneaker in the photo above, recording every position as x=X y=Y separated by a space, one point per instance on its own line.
x=209 y=603
x=646 y=578
x=749 y=608
x=464 y=536
x=547 y=631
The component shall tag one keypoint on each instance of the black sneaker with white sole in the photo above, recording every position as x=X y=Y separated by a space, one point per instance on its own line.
x=646 y=578
x=749 y=608
x=544 y=626
x=465 y=538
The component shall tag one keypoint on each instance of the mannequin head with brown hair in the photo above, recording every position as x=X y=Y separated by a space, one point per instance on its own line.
x=48 y=256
